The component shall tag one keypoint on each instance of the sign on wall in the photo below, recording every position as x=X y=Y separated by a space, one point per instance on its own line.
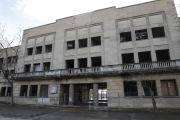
x=53 y=89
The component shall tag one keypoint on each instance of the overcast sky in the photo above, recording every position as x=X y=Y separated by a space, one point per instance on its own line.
x=31 y=13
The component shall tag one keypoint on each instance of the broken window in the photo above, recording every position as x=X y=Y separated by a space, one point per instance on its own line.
x=3 y=91
x=37 y=67
x=130 y=88
x=1 y=60
x=14 y=59
x=144 y=57
x=39 y=50
x=48 y=48
x=162 y=55
x=126 y=36
x=96 y=41
x=83 y=43
x=128 y=58
x=33 y=90
x=8 y=91
x=96 y=61
x=71 y=44
x=24 y=89
x=47 y=66
x=30 y=51
x=149 y=84
x=9 y=59
x=168 y=88
x=158 y=32
x=44 y=91
x=82 y=63
x=141 y=34
x=27 y=68
x=69 y=64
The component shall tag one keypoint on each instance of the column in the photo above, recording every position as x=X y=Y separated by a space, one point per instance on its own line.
x=28 y=90
x=95 y=94
x=71 y=94
x=139 y=86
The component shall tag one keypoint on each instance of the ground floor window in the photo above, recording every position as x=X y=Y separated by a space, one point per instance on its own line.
x=168 y=88
x=24 y=89
x=130 y=88
x=149 y=84
x=33 y=90
x=44 y=91
x=3 y=91
x=9 y=91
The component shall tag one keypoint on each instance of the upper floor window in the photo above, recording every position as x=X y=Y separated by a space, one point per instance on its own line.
x=71 y=44
x=37 y=67
x=82 y=62
x=47 y=66
x=158 y=32
x=83 y=43
x=9 y=59
x=141 y=34
x=14 y=59
x=48 y=48
x=96 y=41
x=27 y=68
x=128 y=58
x=144 y=56
x=162 y=55
x=96 y=61
x=126 y=36
x=1 y=60
x=39 y=50
x=30 y=51
x=69 y=64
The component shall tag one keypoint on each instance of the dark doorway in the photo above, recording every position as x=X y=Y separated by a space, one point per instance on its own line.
x=144 y=57
x=162 y=55
x=82 y=63
x=96 y=61
x=69 y=64
x=128 y=58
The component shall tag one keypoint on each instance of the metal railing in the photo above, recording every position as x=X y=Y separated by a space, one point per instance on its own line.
x=113 y=69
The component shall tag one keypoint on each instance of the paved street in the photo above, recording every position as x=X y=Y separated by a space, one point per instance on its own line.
x=59 y=113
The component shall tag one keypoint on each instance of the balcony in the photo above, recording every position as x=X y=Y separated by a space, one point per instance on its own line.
x=102 y=70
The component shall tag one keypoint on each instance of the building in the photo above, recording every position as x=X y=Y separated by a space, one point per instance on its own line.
x=86 y=59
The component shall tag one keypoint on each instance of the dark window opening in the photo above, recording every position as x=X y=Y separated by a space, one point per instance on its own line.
x=8 y=91
x=149 y=84
x=24 y=89
x=169 y=88
x=144 y=57
x=128 y=58
x=71 y=44
x=37 y=67
x=3 y=91
x=141 y=34
x=126 y=36
x=30 y=51
x=130 y=88
x=82 y=43
x=162 y=55
x=47 y=66
x=44 y=91
x=96 y=61
x=27 y=68
x=33 y=90
x=48 y=48
x=96 y=41
x=1 y=60
x=12 y=72
x=69 y=64
x=158 y=32
x=82 y=63
x=14 y=59
x=9 y=59
x=39 y=50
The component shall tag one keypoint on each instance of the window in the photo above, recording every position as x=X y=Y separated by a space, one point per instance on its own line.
x=82 y=62
x=12 y=72
x=37 y=67
x=8 y=91
x=141 y=34
x=96 y=61
x=9 y=59
x=3 y=91
x=162 y=55
x=146 y=85
x=30 y=51
x=48 y=48
x=47 y=66
x=69 y=64
x=158 y=32
x=144 y=57
x=27 y=68
x=33 y=90
x=96 y=41
x=14 y=59
x=24 y=89
x=39 y=50
x=71 y=44
x=168 y=88
x=126 y=36
x=130 y=88
x=83 y=43
x=128 y=58
x=44 y=91
x=1 y=60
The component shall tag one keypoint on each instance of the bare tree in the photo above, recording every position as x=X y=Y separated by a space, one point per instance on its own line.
x=9 y=53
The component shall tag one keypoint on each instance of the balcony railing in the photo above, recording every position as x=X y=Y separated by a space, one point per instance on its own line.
x=102 y=70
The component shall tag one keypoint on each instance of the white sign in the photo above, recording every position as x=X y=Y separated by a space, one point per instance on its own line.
x=53 y=89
